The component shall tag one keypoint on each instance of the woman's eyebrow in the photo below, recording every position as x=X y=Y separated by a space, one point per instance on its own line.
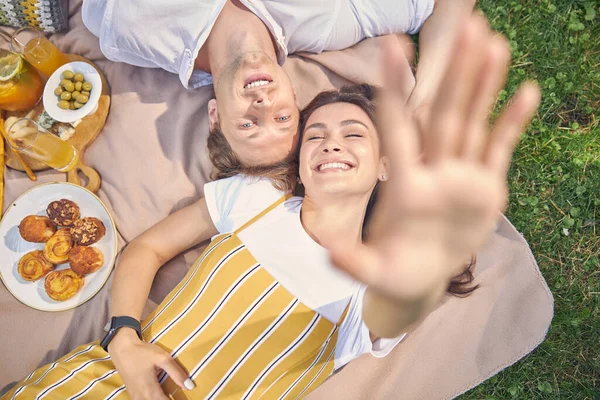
x=352 y=122
x=316 y=125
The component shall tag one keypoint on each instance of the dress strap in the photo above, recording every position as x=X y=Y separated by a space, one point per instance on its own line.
x=263 y=213
x=343 y=317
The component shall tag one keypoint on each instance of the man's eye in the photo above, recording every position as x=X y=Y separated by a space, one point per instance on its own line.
x=247 y=125
x=283 y=119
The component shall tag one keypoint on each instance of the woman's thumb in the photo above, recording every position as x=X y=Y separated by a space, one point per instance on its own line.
x=177 y=374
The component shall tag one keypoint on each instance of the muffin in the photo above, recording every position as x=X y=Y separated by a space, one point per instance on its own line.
x=36 y=228
x=88 y=230
x=85 y=260
x=63 y=212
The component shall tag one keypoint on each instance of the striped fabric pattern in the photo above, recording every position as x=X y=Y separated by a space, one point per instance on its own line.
x=236 y=331
x=47 y=15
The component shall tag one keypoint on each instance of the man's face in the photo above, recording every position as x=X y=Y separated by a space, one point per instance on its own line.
x=256 y=110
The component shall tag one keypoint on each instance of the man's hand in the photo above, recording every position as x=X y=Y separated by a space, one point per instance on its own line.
x=437 y=209
x=140 y=363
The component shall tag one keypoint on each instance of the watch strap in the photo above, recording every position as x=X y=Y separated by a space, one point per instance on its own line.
x=117 y=323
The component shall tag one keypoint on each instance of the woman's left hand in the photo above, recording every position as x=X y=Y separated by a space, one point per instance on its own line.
x=443 y=195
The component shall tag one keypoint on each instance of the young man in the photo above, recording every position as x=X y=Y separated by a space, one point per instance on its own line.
x=239 y=45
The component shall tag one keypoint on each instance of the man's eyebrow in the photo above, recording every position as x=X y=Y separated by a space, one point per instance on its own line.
x=352 y=122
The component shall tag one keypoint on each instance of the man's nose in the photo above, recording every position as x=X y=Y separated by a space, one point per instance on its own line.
x=262 y=101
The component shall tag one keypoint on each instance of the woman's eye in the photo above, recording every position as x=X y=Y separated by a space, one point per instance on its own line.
x=283 y=119
x=354 y=135
x=247 y=125
x=314 y=138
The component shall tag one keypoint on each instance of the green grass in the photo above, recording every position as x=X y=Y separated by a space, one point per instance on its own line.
x=555 y=191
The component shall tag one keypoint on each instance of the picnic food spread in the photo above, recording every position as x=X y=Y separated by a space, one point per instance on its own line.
x=66 y=238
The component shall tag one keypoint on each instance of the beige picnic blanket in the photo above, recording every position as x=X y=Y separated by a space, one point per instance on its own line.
x=152 y=159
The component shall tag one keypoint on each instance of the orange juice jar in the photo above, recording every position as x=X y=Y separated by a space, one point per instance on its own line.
x=27 y=137
x=21 y=86
x=39 y=51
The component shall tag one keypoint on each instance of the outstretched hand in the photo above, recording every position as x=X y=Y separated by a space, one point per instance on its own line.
x=447 y=177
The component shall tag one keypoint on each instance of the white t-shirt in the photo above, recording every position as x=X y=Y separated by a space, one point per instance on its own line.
x=280 y=244
x=168 y=34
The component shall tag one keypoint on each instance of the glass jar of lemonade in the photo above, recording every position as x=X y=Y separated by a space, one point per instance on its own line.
x=21 y=86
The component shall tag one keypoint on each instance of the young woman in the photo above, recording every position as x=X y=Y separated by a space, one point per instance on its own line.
x=263 y=312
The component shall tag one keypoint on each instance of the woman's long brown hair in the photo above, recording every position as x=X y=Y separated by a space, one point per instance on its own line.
x=363 y=96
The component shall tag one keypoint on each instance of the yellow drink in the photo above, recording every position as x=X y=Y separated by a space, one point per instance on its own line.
x=55 y=152
x=26 y=137
x=44 y=56
x=23 y=91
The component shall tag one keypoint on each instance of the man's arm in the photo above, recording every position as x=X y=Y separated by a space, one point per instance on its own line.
x=435 y=46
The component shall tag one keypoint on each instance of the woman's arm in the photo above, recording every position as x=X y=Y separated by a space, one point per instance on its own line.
x=143 y=257
x=439 y=205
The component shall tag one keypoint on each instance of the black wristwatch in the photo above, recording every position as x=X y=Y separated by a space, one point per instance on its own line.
x=117 y=323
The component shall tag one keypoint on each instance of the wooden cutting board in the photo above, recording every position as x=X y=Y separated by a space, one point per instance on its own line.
x=85 y=133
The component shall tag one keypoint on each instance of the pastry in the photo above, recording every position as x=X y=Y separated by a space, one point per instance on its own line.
x=62 y=285
x=33 y=265
x=63 y=212
x=85 y=260
x=36 y=228
x=58 y=246
x=87 y=231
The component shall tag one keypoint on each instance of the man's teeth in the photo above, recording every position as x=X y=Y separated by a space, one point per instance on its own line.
x=257 y=83
x=334 y=165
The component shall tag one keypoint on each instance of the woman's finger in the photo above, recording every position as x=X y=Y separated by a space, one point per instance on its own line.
x=177 y=374
x=450 y=106
x=509 y=126
x=491 y=80
x=396 y=131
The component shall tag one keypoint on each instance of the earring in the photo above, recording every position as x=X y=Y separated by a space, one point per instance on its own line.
x=298 y=180
x=384 y=177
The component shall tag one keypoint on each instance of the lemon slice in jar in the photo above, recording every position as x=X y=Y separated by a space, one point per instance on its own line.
x=10 y=66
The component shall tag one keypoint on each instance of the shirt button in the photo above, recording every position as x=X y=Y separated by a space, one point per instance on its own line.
x=188 y=53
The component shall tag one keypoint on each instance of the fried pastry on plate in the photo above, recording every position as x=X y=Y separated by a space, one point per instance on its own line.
x=36 y=228
x=87 y=231
x=85 y=260
x=59 y=246
x=63 y=212
x=62 y=285
x=33 y=265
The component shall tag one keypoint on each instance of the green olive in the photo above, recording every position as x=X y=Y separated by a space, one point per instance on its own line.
x=77 y=104
x=78 y=86
x=86 y=86
x=65 y=96
x=64 y=82
x=75 y=94
x=58 y=91
x=71 y=105
x=69 y=86
x=82 y=99
x=64 y=104
x=68 y=74
x=85 y=92
x=78 y=77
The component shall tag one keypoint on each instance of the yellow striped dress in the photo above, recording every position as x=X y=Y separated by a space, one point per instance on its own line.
x=237 y=332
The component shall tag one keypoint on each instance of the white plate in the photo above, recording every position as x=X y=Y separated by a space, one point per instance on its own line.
x=90 y=74
x=13 y=247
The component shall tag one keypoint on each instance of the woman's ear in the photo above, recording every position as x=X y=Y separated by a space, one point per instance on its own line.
x=383 y=169
x=213 y=115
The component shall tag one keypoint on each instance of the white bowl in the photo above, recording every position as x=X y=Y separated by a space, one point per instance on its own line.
x=90 y=74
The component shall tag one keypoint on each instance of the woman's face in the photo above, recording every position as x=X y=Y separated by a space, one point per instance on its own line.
x=339 y=153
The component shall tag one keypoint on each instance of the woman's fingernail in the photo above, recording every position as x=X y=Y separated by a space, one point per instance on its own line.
x=189 y=385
